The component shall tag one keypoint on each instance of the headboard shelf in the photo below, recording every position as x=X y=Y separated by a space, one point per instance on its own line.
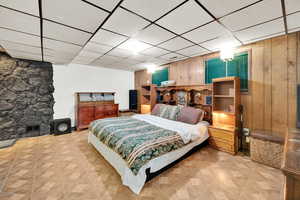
x=198 y=96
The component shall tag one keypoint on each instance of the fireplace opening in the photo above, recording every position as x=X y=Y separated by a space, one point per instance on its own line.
x=33 y=130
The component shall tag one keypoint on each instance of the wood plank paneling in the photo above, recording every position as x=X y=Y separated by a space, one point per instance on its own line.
x=270 y=103
x=187 y=72
x=292 y=80
x=257 y=111
x=267 y=66
x=279 y=84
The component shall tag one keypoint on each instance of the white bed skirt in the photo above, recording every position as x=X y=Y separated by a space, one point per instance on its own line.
x=136 y=182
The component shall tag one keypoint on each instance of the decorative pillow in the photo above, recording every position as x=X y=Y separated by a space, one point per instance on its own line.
x=169 y=112
x=156 y=109
x=190 y=115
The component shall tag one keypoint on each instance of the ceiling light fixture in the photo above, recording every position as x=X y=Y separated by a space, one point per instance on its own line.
x=134 y=46
x=151 y=68
x=227 y=52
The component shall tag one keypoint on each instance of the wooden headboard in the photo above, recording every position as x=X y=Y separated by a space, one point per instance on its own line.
x=192 y=95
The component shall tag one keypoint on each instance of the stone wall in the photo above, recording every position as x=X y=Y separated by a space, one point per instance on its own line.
x=26 y=97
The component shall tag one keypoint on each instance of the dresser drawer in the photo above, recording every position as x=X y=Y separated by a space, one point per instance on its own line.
x=222 y=145
x=222 y=134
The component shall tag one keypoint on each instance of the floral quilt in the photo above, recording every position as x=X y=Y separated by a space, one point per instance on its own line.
x=136 y=141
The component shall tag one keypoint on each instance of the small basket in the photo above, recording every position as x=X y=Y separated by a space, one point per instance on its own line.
x=266 y=148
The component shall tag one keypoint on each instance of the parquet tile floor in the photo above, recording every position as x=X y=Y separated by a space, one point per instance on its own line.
x=68 y=168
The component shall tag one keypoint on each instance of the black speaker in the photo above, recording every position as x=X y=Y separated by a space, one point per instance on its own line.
x=61 y=126
x=133 y=100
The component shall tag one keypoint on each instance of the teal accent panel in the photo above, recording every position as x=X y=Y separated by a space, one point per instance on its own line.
x=216 y=68
x=160 y=76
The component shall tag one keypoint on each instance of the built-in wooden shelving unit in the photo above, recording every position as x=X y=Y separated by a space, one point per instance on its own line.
x=226 y=102
x=148 y=98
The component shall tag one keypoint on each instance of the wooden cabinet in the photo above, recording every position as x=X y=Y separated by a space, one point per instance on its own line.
x=85 y=115
x=225 y=116
x=92 y=106
x=222 y=139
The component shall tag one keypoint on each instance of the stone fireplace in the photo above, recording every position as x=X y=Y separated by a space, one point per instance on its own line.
x=26 y=97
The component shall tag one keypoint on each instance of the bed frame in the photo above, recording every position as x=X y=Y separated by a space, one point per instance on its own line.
x=152 y=175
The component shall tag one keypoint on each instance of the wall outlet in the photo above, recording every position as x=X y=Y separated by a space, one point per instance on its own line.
x=247 y=139
x=246 y=131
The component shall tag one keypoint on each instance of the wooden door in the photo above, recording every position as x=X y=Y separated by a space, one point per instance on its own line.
x=86 y=116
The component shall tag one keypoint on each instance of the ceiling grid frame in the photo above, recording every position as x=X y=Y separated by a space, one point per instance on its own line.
x=232 y=33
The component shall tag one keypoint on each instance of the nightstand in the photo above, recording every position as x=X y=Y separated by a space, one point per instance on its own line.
x=223 y=139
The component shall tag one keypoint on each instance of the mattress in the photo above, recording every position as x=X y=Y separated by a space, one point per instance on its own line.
x=193 y=135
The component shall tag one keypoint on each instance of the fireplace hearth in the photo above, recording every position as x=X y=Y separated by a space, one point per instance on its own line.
x=26 y=98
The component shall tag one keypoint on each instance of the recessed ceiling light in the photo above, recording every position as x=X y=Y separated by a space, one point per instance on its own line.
x=134 y=46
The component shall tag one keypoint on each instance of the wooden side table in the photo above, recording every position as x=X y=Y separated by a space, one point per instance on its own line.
x=223 y=139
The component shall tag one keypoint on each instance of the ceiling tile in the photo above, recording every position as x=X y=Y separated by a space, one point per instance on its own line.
x=134 y=46
x=154 y=35
x=64 y=33
x=58 y=59
x=186 y=17
x=28 y=6
x=67 y=12
x=138 y=57
x=151 y=10
x=191 y=51
x=106 y=4
x=118 y=67
x=292 y=6
x=154 y=51
x=128 y=62
x=107 y=59
x=25 y=55
x=293 y=21
x=157 y=61
x=125 y=23
x=82 y=60
x=216 y=44
x=95 y=47
x=18 y=37
x=61 y=46
x=220 y=8
x=89 y=54
x=19 y=21
x=120 y=53
x=172 y=57
x=258 y=13
x=20 y=47
x=207 y=32
x=108 y=38
x=261 y=31
x=176 y=44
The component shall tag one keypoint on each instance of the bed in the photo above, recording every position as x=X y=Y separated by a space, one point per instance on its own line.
x=139 y=143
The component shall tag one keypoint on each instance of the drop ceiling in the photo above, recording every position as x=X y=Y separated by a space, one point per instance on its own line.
x=97 y=32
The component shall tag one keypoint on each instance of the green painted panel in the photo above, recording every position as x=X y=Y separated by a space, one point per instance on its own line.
x=160 y=76
x=216 y=68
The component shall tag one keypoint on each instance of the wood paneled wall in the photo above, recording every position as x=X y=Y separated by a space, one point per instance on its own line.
x=270 y=103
